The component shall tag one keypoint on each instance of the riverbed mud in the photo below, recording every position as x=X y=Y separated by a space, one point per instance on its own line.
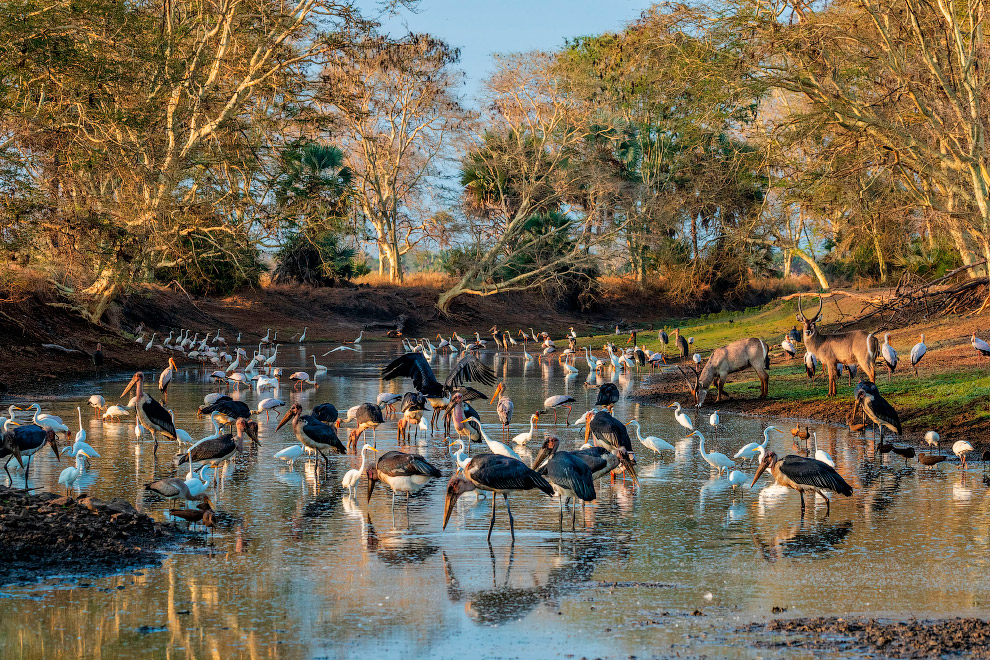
x=44 y=535
x=911 y=639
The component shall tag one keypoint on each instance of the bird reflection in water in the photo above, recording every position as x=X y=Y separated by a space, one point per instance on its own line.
x=398 y=548
x=804 y=539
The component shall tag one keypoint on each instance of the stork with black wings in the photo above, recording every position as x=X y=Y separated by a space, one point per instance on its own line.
x=803 y=474
x=151 y=414
x=877 y=408
x=229 y=411
x=415 y=366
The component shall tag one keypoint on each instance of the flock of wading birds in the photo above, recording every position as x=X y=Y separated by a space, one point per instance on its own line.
x=568 y=475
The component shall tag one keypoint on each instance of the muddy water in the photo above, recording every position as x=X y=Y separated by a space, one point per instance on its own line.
x=297 y=570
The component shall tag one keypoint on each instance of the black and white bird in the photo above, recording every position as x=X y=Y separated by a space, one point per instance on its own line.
x=788 y=346
x=367 y=416
x=608 y=432
x=327 y=413
x=889 y=355
x=312 y=433
x=810 y=364
x=151 y=414
x=980 y=345
x=416 y=367
x=877 y=408
x=215 y=450
x=406 y=473
x=803 y=475
x=23 y=441
x=608 y=396
x=229 y=410
x=497 y=474
x=570 y=476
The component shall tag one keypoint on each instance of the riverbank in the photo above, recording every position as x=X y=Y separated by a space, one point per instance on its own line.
x=886 y=639
x=44 y=535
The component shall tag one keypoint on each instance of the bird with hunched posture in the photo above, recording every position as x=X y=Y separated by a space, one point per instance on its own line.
x=917 y=352
x=960 y=448
x=228 y=411
x=810 y=364
x=498 y=474
x=312 y=433
x=268 y=405
x=737 y=478
x=788 y=347
x=151 y=414
x=717 y=460
x=97 y=403
x=752 y=450
x=402 y=472
x=933 y=439
x=216 y=450
x=367 y=416
x=173 y=489
x=352 y=476
x=652 y=442
x=608 y=396
x=290 y=454
x=300 y=378
x=682 y=417
x=981 y=346
x=569 y=475
x=525 y=437
x=608 y=432
x=877 y=408
x=803 y=474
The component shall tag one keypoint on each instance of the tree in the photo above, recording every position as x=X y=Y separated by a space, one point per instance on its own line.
x=394 y=103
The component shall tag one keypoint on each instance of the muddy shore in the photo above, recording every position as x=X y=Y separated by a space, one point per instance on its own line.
x=44 y=535
x=887 y=639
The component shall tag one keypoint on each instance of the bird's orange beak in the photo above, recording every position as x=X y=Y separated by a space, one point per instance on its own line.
x=587 y=427
x=498 y=390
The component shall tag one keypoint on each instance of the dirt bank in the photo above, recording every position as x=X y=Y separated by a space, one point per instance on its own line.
x=888 y=639
x=44 y=535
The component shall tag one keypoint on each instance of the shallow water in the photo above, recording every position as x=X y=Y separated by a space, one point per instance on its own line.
x=298 y=570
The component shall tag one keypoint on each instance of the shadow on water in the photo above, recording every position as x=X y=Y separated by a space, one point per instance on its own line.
x=806 y=539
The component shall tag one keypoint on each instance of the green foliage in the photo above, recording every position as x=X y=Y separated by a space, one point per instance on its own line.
x=317 y=260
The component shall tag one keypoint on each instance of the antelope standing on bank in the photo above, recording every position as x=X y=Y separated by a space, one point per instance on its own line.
x=855 y=347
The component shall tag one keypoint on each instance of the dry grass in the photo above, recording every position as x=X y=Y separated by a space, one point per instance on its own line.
x=423 y=279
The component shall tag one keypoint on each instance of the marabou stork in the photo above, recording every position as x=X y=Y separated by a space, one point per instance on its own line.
x=24 y=441
x=803 y=474
x=416 y=367
x=877 y=408
x=680 y=343
x=609 y=433
x=327 y=413
x=495 y=473
x=558 y=401
x=570 y=476
x=402 y=472
x=174 y=488
x=504 y=408
x=217 y=450
x=367 y=416
x=228 y=409
x=98 y=358
x=166 y=377
x=151 y=414
x=608 y=396
x=312 y=433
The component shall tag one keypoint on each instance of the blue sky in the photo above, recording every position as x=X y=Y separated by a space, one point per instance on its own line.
x=481 y=28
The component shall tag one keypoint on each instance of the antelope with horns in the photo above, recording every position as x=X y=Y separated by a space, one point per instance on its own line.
x=738 y=355
x=856 y=347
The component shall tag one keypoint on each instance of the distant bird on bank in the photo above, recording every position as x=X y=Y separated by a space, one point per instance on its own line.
x=788 y=347
x=980 y=345
x=98 y=356
x=889 y=355
x=917 y=352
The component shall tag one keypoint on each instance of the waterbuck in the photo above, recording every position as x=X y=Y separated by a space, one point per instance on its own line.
x=738 y=355
x=856 y=347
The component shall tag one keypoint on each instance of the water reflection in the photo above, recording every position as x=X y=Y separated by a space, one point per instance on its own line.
x=803 y=539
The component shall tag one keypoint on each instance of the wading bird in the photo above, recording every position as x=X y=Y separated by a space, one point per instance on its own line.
x=961 y=448
x=151 y=414
x=494 y=446
x=889 y=355
x=290 y=454
x=682 y=417
x=933 y=439
x=172 y=489
x=498 y=474
x=803 y=474
x=559 y=401
x=504 y=408
x=717 y=460
x=228 y=411
x=652 y=442
x=327 y=413
x=877 y=408
x=523 y=438
x=402 y=472
x=608 y=396
x=351 y=477
x=24 y=441
x=367 y=416
x=569 y=475
x=416 y=367
x=752 y=450
x=312 y=433
x=300 y=378
x=929 y=460
x=268 y=405
x=166 y=377
x=217 y=450
x=608 y=432
x=824 y=457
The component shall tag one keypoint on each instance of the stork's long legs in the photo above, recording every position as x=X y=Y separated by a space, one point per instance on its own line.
x=512 y=522
x=491 y=525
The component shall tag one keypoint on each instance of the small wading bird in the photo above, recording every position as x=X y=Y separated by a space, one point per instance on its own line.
x=494 y=446
x=753 y=449
x=559 y=401
x=416 y=367
x=681 y=417
x=717 y=460
x=525 y=437
x=803 y=474
x=961 y=448
x=402 y=472
x=151 y=414
x=498 y=474
x=653 y=443
x=312 y=433
x=569 y=475
x=351 y=477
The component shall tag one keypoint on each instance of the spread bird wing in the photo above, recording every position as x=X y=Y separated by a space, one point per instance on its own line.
x=411 y=365
x=470 y=369
x=469 y=393
x=809 y=472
